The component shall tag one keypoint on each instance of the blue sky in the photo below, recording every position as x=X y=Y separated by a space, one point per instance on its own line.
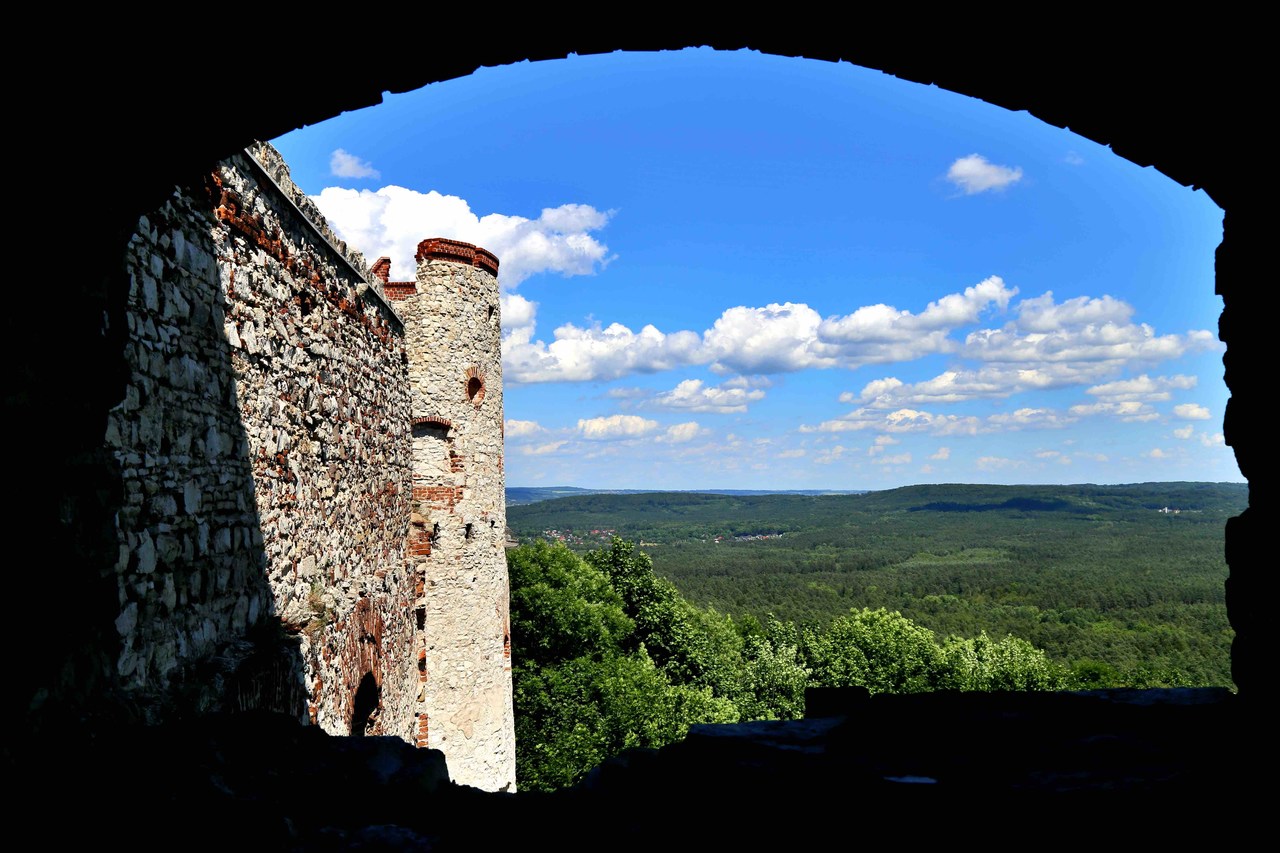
x=730 y=270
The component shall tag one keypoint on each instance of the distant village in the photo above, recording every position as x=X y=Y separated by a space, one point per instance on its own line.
x=746 y=537
x=606 y=534
x=568 y=537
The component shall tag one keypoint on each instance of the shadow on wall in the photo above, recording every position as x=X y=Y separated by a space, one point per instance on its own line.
x=197 y=628
x=263 y=463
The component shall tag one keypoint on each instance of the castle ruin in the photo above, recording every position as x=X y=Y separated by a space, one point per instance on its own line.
x=314 y=515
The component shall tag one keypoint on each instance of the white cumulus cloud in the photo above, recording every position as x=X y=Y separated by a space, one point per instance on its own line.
x=1144 y=387
x=881 y=333
x=542 y=449
x=1042 y=314
x=519 y=321
x=777 y=338
x=579 y=354
x=998 y=463
x=1049 y=345
x=960 y=385
x=392 y=221
x=615 y=426
x=520 y=429
x=881 y=442
x=693 y=396
x=1126 y=410
x=680 y=433
x=901 y=420
x=1105 y=343
x=943 y=454
x=830 y=455
x=345 y=165
x=1191 y=412
x=1080 y=332
x=976 y=174
x=1031 y=418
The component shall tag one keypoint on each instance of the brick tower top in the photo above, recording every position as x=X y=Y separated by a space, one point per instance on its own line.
x=443 y=249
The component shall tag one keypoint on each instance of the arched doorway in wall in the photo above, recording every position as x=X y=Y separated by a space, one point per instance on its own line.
x=782 y=274
x=364 y=705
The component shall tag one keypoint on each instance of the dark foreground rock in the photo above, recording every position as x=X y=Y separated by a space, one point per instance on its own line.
x=1029 y=768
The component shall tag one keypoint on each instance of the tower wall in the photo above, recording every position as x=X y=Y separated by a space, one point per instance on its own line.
x=457 y=538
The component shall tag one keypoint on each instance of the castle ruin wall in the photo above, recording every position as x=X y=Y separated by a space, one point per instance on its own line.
x=265 y=446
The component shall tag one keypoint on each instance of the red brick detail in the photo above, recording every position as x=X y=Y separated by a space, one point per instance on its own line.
x=381 y=268
x=398 y=291
x=443 y=249
x=432 y=419
x=439 y=496
x=421 y=741
x=228 y=208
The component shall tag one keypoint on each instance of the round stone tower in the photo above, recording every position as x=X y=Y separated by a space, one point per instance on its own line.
x=457 y=534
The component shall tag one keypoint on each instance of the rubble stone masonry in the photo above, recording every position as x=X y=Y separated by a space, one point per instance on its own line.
x=457 y=537
x=313 y=512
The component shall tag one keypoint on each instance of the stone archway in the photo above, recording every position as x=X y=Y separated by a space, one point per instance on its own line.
x=1170 y=105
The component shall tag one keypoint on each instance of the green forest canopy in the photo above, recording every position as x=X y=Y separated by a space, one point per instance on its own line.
x=607 y=656
x=1099 y=577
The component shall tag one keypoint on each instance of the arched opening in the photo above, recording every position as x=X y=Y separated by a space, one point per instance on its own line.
x=1205 y=141
x=806 y=257
x=364 y=706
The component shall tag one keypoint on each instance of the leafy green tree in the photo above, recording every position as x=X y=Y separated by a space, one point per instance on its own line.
x=880 y=650
x=1094 y=675
x=669 y=628
x=982 y=663
x=608 y=656
x=561 y=607
x=774 y=674
x=585 y=684
x=570 y=718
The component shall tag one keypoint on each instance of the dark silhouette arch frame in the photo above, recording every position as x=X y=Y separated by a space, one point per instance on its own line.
x=148 y=111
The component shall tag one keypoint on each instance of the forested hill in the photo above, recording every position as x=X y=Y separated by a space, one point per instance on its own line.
x=668 y=517
x=1094 y=575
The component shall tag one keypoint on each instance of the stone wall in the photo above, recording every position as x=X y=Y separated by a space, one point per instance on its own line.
x=313 y=513
x=457 y=540
x=264 y=441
